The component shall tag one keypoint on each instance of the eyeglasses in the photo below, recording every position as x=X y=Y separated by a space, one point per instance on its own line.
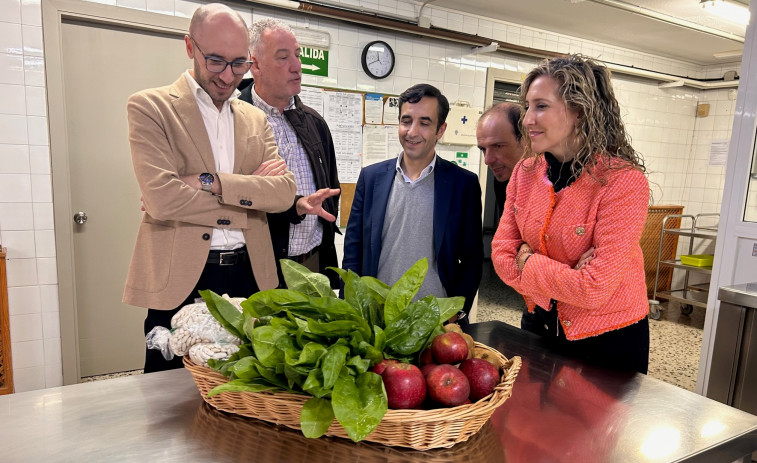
x=217 y=65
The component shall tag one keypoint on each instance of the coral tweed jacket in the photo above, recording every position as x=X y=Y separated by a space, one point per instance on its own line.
x=609 y=292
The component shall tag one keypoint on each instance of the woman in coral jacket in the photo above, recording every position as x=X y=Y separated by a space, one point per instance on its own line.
x=568 y=240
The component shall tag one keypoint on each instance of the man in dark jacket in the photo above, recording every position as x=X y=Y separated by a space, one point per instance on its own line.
x=499 y=139
x=305 y=232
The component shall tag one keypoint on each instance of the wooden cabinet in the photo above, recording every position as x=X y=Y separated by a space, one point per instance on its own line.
x=6 y=367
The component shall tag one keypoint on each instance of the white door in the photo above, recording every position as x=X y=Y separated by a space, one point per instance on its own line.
x=102 y=65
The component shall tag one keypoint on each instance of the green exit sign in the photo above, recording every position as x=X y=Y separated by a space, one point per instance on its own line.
x=315 y=61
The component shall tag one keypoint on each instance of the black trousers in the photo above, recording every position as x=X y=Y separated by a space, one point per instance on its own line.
x=235 y=280
x=625 y=349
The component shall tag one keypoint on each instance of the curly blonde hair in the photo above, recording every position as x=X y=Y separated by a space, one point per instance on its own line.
x=585 y=87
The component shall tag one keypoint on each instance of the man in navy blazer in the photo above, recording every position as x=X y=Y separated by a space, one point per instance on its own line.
x=418 y=205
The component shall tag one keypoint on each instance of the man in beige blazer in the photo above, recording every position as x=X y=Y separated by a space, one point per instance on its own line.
x=209 y=170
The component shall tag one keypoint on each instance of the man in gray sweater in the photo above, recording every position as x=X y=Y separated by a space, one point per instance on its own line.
x=418 y=205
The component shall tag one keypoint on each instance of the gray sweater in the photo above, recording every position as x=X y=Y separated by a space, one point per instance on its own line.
x=408 y=234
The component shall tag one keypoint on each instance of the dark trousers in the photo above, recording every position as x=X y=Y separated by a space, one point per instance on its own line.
x=624 y=349
x=235 y=280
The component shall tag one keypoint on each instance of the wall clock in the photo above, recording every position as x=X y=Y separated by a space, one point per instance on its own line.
x=377 y=59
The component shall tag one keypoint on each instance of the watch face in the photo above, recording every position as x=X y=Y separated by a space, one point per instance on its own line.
x=378 y=59
x=206 y=181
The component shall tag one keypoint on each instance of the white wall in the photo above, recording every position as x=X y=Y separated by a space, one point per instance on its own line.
x=661 y=122
x=26 y=207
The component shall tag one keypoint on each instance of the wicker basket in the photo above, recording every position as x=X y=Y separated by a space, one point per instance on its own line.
x=236 y=438
x=417 y=429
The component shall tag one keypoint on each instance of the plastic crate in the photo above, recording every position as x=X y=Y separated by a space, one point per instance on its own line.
x=697 y=260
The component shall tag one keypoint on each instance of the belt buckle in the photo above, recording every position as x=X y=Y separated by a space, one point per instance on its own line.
x=226 y=254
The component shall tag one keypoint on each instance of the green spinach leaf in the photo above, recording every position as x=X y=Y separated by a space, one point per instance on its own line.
x=333 y=361
x=379 y=290
x=314 y=384
x=449 y=306
x=359 y=403
x=264 y=344
x=225 y=312
x=310 y=354
x=240 y=385
x=270 y=302
x=300 y=278
x=404 y=291
x=410 y=331
x=316 y=417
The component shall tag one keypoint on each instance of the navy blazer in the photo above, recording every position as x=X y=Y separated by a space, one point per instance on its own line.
x=458 y=236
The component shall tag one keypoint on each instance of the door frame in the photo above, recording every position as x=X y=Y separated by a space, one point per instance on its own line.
x=492 y=75
x=54 y=12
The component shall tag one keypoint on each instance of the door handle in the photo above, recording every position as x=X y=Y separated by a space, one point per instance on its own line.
x=80 y=217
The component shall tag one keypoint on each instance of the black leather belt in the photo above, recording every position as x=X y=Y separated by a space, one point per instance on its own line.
x=303 y=257
x=233 y=257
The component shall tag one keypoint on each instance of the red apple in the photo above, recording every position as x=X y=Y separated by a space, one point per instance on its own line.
x=405 y=385
x=447 y=385
x=426 y=357
x=427 y=367
x=449 y=348
x=381 y=366
x=482 y=377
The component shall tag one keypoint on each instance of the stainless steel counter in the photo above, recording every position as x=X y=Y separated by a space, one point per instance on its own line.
x=561 y=410
x=744 y=295
x=733 y=369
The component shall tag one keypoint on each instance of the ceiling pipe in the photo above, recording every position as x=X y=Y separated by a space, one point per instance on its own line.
x=368 y=11
x=406 y=26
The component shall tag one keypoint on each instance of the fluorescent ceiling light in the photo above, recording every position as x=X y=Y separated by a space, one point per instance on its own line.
x=735 y=12
x=312 y=37
x=728 y=54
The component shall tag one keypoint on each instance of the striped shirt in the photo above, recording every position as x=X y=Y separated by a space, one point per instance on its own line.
x=306 y=235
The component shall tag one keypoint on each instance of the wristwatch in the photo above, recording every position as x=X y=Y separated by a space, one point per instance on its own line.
x=206 y=180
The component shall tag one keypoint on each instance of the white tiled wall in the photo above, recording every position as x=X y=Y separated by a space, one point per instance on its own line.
x=661 y=122
x=26 y=208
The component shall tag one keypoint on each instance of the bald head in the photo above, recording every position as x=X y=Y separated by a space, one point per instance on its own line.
x=218 y=34
x=214 y=15
x=499 y=139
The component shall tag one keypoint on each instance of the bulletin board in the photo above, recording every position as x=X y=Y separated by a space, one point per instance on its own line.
x=364 y=129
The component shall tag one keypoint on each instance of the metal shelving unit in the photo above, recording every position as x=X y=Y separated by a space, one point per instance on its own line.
x=689 y=296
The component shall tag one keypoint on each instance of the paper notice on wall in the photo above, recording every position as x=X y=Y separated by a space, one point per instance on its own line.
x=718 y=152
x=392 y=141
x=312 y=97
x=392 y=110
x=374 y=108
x=348 y=145
x=380 y=142
x=374 y=144
x=343 y=110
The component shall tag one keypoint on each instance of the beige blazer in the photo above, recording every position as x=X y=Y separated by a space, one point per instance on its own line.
x=168 y=139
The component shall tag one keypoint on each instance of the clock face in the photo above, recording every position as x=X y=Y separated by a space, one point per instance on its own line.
x=378 y=59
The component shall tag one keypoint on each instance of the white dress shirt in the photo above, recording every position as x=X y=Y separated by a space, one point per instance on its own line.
x=220 y=128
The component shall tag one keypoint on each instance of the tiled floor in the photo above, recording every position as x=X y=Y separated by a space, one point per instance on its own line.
x=675 y=339
x=112 y=375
